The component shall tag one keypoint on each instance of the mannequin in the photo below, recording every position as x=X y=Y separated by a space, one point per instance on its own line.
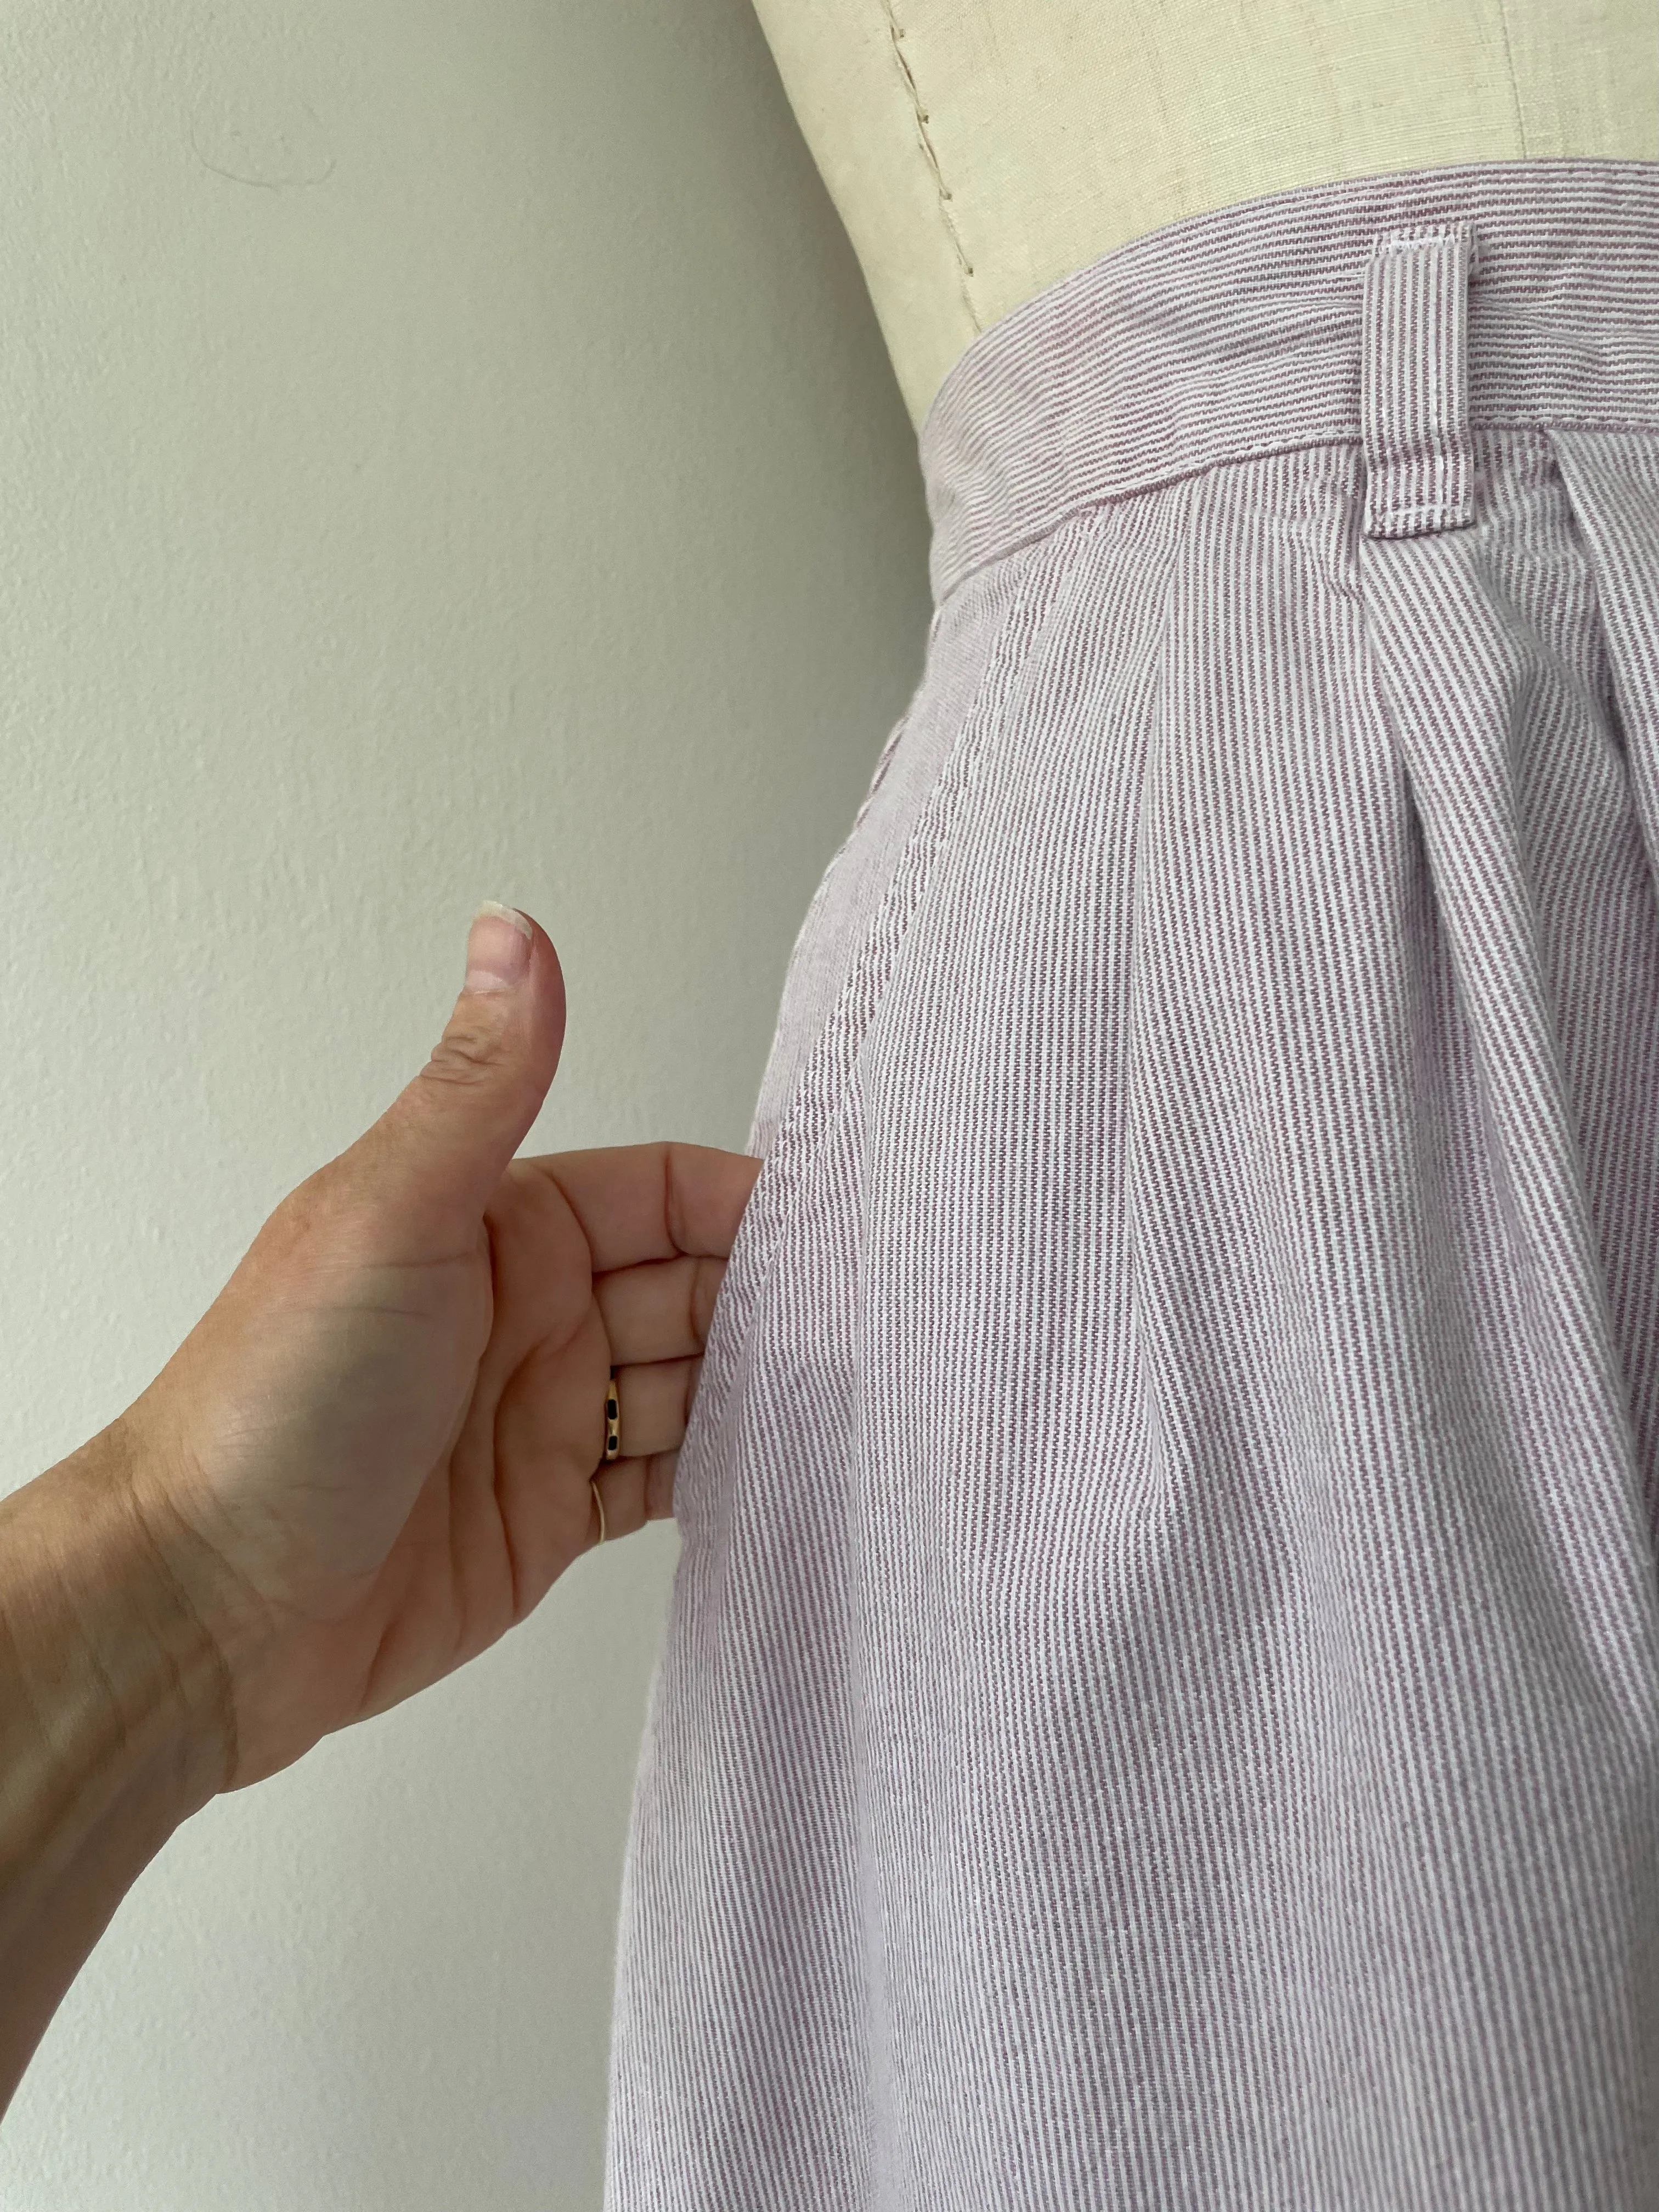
x=980 y=151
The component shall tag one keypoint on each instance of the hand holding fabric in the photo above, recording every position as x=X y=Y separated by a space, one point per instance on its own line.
x=375 y=1453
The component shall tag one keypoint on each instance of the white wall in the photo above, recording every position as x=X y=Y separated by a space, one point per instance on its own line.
x=446 y=453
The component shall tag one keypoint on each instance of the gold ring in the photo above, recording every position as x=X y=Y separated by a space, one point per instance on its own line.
x=612 y=1443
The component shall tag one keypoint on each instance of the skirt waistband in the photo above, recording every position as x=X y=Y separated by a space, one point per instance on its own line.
x=1254 y=329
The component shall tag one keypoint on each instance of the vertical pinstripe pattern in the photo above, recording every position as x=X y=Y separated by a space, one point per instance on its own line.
x=1414 y=384
x=1161 y=1701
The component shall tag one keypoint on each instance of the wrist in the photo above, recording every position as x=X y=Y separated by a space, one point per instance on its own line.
x=114 y=1726
x=114 y=1677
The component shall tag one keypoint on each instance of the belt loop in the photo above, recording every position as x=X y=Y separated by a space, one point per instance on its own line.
x=1414 y=382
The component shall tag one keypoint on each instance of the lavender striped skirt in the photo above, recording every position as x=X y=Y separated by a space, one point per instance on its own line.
x=1161 y=1702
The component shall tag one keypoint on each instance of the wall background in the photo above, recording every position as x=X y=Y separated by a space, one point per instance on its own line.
x=447 y=453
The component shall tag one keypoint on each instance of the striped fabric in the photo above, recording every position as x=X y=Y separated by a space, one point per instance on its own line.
x=1161 y=1701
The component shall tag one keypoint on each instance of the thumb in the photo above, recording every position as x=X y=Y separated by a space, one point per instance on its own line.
x=448 y=1136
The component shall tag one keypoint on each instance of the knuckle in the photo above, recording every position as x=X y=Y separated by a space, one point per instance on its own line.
x=674 y=1213
x=308 y=1236
x=466 y=1052
x=306 y=1214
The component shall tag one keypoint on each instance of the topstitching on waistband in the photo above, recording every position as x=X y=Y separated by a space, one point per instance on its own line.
x=1245 y=332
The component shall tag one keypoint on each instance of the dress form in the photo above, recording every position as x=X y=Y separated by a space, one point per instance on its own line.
x=980 y=151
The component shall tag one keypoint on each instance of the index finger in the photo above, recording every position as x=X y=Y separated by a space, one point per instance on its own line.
x=637 y=1202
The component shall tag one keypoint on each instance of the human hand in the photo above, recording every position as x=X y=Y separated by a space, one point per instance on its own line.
x=372 y=1454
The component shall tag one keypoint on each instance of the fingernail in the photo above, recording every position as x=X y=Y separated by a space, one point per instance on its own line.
x=497 y=949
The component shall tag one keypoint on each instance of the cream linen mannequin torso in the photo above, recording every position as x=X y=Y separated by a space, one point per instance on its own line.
x=979 y=150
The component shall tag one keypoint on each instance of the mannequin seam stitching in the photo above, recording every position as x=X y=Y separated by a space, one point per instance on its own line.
x=1514 y=82
x=964 y=267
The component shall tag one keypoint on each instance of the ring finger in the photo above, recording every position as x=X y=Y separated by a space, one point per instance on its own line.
x=655 y=1400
